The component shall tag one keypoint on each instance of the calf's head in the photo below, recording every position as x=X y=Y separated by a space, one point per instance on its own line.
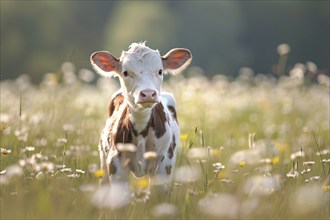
x=141 y=70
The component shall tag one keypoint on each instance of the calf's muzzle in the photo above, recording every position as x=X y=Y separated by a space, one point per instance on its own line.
x=147 y=96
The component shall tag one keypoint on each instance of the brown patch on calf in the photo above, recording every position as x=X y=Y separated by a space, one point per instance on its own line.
x=112 y=168
x=115 y=103
x=171 y=148
x=145 y=131
x=172 y=110
x=158 y=119
x=173 y=142
x=168 y=169
x=124 y=130
x=170 y=151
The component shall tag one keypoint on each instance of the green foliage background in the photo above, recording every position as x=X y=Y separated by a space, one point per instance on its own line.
x=37 y=36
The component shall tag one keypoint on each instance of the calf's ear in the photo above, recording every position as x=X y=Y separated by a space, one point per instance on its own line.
x=176 y=60
x=105 y=64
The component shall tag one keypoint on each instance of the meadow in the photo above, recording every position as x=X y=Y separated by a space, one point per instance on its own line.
x=251 y=147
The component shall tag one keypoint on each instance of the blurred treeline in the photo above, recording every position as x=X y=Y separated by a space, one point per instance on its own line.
x=38 y=36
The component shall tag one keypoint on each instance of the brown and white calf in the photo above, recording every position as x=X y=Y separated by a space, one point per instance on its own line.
x=140 y=114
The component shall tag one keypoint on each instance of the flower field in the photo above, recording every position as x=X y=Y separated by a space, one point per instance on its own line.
x=253 y=147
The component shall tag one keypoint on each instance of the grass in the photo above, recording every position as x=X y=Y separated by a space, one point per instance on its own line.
x=254 y=147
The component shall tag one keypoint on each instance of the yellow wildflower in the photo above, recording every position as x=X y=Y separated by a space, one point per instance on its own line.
x=215 y=152
x=99 y=173
x=139 y=183
x=221 y=175
x=183 y=137
x=241 y=163
x=275 y=160
x=326 y=188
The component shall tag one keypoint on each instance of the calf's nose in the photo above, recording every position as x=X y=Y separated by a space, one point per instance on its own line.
x=147 y=95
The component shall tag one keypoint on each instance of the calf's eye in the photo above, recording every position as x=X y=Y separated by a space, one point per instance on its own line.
x=160 y=72
x=125 y=73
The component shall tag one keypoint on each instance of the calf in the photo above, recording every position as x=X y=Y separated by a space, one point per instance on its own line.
x=142 y=118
